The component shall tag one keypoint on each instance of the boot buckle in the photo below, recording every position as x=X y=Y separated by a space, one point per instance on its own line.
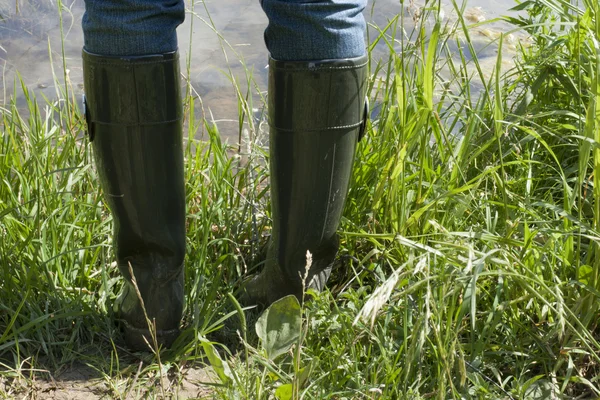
x=88 y=119
x=363 y=125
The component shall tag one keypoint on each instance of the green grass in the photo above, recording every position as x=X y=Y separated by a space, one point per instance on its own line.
x=469 y=265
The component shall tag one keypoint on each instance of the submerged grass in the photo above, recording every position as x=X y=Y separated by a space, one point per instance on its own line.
x=469 y=264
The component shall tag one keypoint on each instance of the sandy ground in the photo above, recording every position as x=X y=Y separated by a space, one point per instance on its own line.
x=82 y=383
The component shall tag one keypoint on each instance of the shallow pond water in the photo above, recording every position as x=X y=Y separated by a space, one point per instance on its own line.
x=30 y=37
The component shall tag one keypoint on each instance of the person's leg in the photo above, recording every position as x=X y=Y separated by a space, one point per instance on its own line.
x=131 y=27
x=304 y=30
x=317 y=111
x=134 y=117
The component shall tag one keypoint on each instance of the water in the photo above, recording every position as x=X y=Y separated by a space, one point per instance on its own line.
x=30 y=36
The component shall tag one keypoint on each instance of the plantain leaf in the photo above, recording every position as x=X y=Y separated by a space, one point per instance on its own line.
x=279 y=326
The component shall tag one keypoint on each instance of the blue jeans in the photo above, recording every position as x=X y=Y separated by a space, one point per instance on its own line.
x=298 y=30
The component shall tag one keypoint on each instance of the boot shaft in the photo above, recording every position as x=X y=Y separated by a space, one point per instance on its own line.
x=317 y=113
x=134 y=116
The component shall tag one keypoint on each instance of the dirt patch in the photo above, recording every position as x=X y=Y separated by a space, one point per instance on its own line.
x=81 y=382
x=194 y=385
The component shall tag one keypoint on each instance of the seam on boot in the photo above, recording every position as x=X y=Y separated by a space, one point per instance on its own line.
x=326 y=68
x=355 y=125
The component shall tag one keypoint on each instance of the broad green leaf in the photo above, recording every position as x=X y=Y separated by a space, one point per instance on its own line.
x=279 y=326
x=538 y=388
x=585 y=274
x=284 y=392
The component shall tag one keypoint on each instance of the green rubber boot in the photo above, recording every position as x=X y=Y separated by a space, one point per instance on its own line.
x=317 y=114
x=134 y=117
